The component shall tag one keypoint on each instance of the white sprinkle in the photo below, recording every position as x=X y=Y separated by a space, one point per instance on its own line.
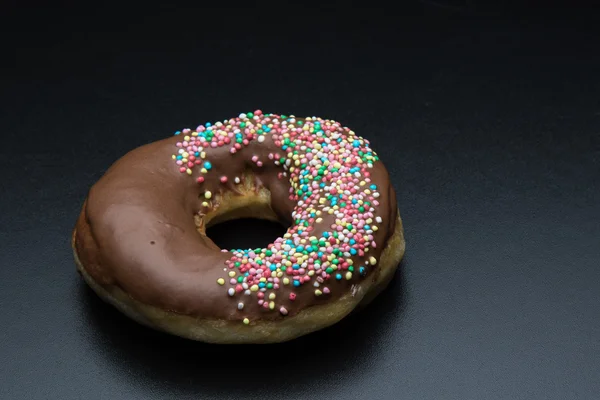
x=231 y=291
x=376 y=194
x=378 y=219
x=245 y=286
x=247 y=292
x=236 y=180
x=240 y=306
x=261 y=139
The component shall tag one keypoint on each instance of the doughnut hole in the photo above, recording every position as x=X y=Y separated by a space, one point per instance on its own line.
x=242 y=221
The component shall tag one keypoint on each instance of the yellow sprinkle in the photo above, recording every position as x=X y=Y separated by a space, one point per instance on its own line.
x=349 y=261
x=272 y=296
x=203 y=155
x=204 y=170
x=254 y=288
x=188 y=171
x=369 y=221
x=375 y=228
x=185 y=154
x=173 y=156
x=272 y=305
x=221 y=281
x=348 y=275
x=184 y=160
x=337 y=165
x=231 y=274
x=263 y=280
x=208 y=194
x=279 y=274
x=322 y=200
x=372 y=260
x=286 y=281
x=194 y=133
x=186 y=138
x=362 y=183
x=273 y=274
x=246 y=321
x=311 y=272
x=318 y=292
x=318 y=213
x=204 y=204
x=367 y=191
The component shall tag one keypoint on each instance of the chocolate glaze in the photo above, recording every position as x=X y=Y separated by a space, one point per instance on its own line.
x=137 y=231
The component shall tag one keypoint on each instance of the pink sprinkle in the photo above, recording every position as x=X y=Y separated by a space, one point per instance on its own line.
x=292 y=296
x=283 y=311
x=326 y=290
x=223 y=179
x=260 y=164
x=254 y=158
x=200 y=179
x=182 y=169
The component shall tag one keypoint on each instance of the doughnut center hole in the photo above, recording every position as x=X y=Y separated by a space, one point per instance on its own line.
x=245 y=233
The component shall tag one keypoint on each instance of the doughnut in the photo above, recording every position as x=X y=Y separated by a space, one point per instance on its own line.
x=140 y=239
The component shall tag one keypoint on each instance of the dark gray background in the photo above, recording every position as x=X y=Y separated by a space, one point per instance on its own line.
x=487 y=117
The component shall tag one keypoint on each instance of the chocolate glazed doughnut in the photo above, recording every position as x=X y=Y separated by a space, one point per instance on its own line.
x=140 y=239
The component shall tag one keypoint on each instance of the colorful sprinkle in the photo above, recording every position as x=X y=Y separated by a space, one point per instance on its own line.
x=335 y=218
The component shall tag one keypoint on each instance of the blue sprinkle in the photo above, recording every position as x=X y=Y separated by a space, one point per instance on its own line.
x=309 y=249
x=354 y=201
x=272 y=268
x=207 y=165
x=197 y=154
x=353 y=251
x=208 y=124
x=320 y=254
x=178 y=133
x=296 y=283
x=356 y=143
x=373 y=187
x=179 y=157
x=261 y=285
x=362 y=271
x=325 y=234
x=295 y=266
x=299 y=248
x=338 y=277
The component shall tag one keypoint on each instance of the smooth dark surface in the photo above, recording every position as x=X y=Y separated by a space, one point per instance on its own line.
x=488 y=120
